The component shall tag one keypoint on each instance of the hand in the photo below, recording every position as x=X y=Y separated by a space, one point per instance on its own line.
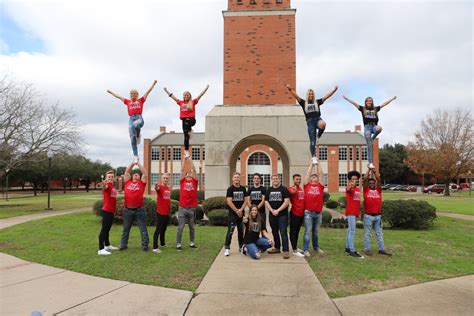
x=245 y=219
x=108 y=91
x=155 y=82
x=207 y=86
x=270 y=242
x=394 y=98
x=165 y=89
x=335 y=88
x=288 y=86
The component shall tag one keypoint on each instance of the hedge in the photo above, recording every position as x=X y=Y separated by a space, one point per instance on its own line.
x=342 y=201
x=175 y=195
x=326 y=217
x=213 y=203
x=332 y=204
x=218 y=217
x=408 y=214
x=326 y=196
x=150 y=210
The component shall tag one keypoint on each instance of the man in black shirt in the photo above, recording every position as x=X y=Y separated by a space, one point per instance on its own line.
x=277 y=201
x=257 y=197
x=237 y=199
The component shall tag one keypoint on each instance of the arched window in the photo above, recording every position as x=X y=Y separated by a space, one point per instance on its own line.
x=259 y=159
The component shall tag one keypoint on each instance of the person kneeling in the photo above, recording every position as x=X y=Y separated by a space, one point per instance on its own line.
x=253 y=243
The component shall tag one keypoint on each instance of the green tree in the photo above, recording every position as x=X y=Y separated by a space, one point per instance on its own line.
x=392 y=167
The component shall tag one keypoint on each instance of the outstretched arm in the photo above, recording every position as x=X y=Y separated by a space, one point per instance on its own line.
x=377 y=177
x=116 y=95
x=308 y=173
x=171 y=95
x=144 y=173
x=327 y=96
x=387 y=102
x=320 y=174
x=365 y=182
x=193 y=171
x=293 y=93
x=202 y=93
x=145 y=96
x=352 y=102
x=126 y=174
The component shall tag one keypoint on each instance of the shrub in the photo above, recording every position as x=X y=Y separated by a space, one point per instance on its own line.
x=342 y=201
x=326 y=196
x=200 y=196
x=332 y=204
x=218 y=217
x=150 y=209
x=174 y=206
x=199 y=213
x=326 y=217
x=174 y=195
x=217 y=202
x=408 y=214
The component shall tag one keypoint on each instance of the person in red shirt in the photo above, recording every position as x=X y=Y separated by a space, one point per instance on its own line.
x=352 y=211
x=296 y=213
x=163 y=193
x=373 y=211
x=187 y=114
x=109 y=193
x=313 y=200
x=134 y=189
x=188 y=201
x=135 y=122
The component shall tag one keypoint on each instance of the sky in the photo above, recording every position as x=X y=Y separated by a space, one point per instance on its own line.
x=73 y=51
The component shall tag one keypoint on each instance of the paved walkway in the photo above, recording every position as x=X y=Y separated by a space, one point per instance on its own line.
x=459 y=216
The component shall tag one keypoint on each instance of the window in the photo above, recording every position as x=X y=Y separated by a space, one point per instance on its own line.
x=323 y=153
x=279 y=1
x=176 y=179
x=350 y=153
x=163 y=153
x=259 y=158
x=195 y=153
x=154 y=178
x=343 y=179
x=177 y=153
x=169 y=153
x=357 y=153
x=342 y=153
x=203 y=153
x=155 y=153
x=203 y=175
x=326 y=179
x=364 y=152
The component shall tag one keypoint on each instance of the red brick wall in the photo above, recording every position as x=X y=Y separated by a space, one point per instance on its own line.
x=333 y=169
x=259 y=5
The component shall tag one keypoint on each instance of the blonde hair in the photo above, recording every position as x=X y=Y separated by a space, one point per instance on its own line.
x=190 y=104
x=257 y=219
x=307 y=95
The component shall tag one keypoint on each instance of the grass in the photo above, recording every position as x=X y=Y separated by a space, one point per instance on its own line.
x=24 y=205
x=458 y=202
x=444 y=251
x=70 y=242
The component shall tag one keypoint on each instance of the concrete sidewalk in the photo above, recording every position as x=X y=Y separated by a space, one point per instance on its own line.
x=444 y=297
x=11 y=221
x=458 y=216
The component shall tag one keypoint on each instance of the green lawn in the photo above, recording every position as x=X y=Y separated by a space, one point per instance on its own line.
x=458 y=202
x=444 y=251
x=16 y=206
x=70 y=242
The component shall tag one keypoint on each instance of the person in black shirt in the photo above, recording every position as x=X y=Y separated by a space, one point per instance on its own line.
x=237 y=199
x=254 y=244
x=370 y=119
x=277 y=201
x=257 y=196
x=312 y=112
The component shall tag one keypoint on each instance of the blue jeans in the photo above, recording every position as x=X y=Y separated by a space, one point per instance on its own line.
x=313 y=123
x=262 y=244
x=279 y=225
x=135 y=123
x=351 y=230
x=376 y=222
x=370 y=133
x=312 y=223
x=128 y=216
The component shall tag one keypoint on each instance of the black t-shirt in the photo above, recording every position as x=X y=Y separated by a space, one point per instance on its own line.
x=256 y=195
x=252 y=232
x=311 y=110
x=370 y=116
x=238 y=195
x=276 y=197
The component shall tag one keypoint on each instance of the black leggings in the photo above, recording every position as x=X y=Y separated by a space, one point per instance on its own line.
x=107 y=219
x=188 y=123
x=295 y=226
x=161 y=225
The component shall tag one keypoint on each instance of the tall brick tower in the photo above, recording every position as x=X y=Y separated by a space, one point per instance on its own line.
x=259 y=52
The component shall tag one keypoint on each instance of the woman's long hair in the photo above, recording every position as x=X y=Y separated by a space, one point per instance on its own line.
x=189 y=104
x=307 y=96
x=257 y=220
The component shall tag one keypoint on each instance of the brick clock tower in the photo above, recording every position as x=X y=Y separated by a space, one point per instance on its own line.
x=259 y=52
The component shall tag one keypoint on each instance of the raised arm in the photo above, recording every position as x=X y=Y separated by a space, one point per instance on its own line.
x=320 y=174
x=202 y=93
x=171 y=95
x=330 y=94
x=116 y=95
x=387 y=102
x=308 y=174
x=126 y=174
x=144 y=173
x=145 y=96
x=365 y=182
x=352 y=102
x=193 y=171
x=293 y=93
x=377 y=178
x=183 y=170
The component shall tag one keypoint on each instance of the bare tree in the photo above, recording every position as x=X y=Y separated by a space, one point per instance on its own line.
x=28 y=126
x=443 y=146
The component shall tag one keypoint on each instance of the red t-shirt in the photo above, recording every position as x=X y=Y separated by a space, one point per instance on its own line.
x=188 y=193
x=110 y=198
x=163 y=194
x=297 y=201
x=134 y=193
x=353 y=202
x=134 y=107
x=184 y=112
x=314 y=197
x=373 y=201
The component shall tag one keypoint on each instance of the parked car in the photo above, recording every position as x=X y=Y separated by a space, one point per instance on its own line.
x=398 y=187
x=387 y=186
x=464 y=186
x=435 y=188
x=411 y=188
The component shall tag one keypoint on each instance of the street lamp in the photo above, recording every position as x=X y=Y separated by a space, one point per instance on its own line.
x=6 y=184
x=50 y=156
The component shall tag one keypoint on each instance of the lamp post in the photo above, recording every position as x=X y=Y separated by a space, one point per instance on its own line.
x=50 y=156
x=6 y=185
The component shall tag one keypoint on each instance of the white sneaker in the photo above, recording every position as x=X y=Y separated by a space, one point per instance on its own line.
x=110 y=248
x=299 y=250
x=103 y=252
x=136 y=160
x=307 y=254
x=319 y=250
x=298 y=254
x=157 y=250
x=314 y=161
x=186 y=154
x=226 y=252
x=371 y=166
